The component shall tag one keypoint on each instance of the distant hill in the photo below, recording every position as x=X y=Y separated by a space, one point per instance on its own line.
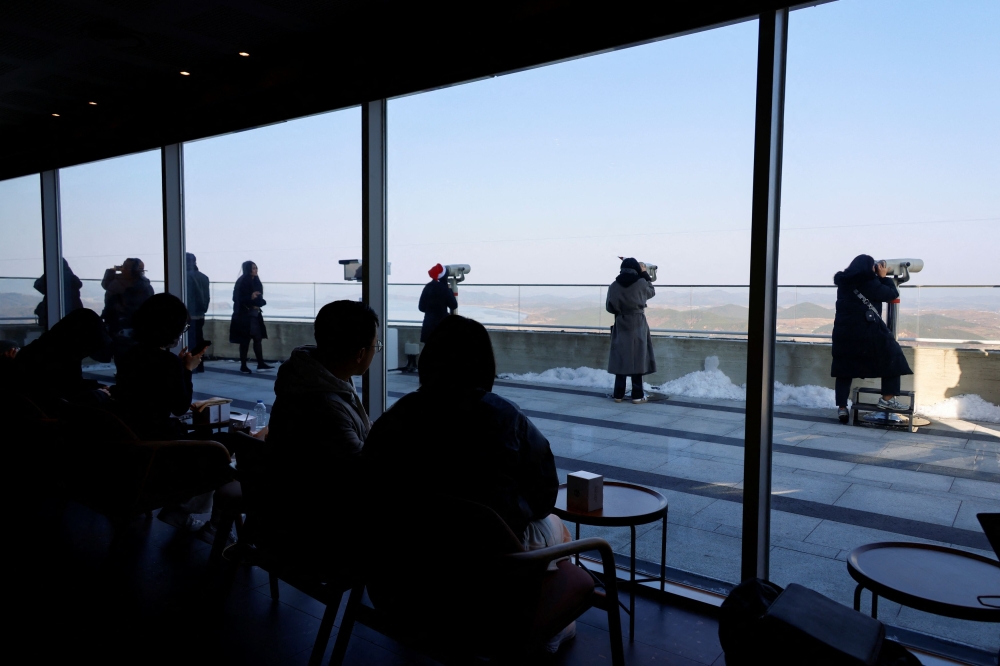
x=806 y=311
x=18 y=305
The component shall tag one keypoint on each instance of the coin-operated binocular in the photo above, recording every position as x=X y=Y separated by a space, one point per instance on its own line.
x=650 y=268
x=456 y=273
x=899 y=270
x=354 y=271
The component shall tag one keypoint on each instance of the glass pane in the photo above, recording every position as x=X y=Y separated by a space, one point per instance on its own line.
x=112 y=232
x=288 y=199
x=541 y=181
x=891 y=150
x=21 y=260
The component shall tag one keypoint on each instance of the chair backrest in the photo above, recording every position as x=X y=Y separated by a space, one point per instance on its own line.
x=991 y=526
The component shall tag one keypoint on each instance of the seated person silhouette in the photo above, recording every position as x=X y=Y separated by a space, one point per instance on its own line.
x=455 y=437
x=154 y=387
x=49 y=372
x=316 y=432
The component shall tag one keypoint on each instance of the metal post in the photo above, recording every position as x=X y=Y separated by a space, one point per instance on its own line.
x=771 y=52
x=52 y=261
x=174 y=263
x=374 y=289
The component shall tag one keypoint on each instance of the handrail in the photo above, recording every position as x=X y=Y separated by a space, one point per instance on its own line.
x=557 y=284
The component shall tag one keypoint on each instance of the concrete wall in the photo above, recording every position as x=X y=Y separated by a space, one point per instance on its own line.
x=939 y=373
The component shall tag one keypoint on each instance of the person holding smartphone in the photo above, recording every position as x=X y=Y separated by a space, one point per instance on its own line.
x=248 y=322
x=863 y=346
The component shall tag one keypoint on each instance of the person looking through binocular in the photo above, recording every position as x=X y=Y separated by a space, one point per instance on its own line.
x=631 y=342
x=437 y=301
x=863 y=346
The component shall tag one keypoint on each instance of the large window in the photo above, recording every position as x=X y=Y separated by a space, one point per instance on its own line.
x=891 y=150
x=112 y=230
x=288 y=198
x=540 y=181
x=20 y=259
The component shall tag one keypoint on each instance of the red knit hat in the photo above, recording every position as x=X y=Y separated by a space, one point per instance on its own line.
x=437 y=272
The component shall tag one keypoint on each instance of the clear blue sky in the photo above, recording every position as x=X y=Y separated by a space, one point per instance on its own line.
x=892 y=148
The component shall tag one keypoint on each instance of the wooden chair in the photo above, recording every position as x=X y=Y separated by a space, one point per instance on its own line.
x=481 y=594
x=249 y=498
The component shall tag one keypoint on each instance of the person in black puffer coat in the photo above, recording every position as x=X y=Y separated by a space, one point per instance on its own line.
x=247 y=323
x=436 y=301
x=863 y=346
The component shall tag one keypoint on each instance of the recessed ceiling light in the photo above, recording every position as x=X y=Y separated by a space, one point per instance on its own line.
x=56 y=115
x=244 y=54
x=185 y=73
x=92 y=103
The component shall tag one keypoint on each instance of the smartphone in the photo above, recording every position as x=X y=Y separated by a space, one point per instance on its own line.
x=201 y=347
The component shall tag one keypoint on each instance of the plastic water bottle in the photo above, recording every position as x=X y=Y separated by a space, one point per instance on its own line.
x=259 y=415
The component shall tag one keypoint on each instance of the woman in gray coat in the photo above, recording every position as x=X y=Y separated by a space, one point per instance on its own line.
x=631 y=342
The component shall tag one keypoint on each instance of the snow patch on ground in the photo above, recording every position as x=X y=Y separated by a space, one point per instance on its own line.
x=710 y=383
x=966 y=407
x=582 y=377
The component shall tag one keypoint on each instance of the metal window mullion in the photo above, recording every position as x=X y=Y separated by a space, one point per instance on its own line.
x=374 y=237
x=172 y=177
x=52 y=256
x=764 y=238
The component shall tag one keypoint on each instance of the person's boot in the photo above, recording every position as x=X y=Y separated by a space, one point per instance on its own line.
x=244 y=369
x=264 y=366
x=843 y=415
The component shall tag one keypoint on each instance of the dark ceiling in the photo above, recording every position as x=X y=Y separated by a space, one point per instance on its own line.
x=305 y=57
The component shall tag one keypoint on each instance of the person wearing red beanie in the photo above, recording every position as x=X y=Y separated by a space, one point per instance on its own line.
x=436 y=301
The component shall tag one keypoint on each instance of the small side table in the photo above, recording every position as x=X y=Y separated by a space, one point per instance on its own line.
x=625 y=505
x=934 y=579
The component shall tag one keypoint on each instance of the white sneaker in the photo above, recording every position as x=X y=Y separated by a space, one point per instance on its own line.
x=892 y=403
x=567 y=634
x=618 y=399
x=639 y=401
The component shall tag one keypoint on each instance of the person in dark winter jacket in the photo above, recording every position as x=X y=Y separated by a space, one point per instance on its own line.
x=199 y=295
x=863 y=346
x=454 y=437
x=484 y=449
x=125 y=289
x=317 y=429
x=49 y=372
x=248 y=323
x=631 y=342
x=437 y=301
x=71 y=294
x=153 y=384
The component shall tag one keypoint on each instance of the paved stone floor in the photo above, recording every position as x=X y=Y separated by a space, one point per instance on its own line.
x=835 y=487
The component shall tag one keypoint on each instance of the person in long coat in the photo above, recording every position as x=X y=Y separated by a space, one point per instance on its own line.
x=631 y=342
x=199 y=295
x=126 y=287
x=71 y=294
x=247 y=323
x=437 y=301
x=863 y=346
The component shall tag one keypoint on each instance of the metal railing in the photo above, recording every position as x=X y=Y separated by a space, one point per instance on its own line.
x=580 y=307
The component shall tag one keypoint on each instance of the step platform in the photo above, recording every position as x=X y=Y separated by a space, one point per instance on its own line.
x=871 y=415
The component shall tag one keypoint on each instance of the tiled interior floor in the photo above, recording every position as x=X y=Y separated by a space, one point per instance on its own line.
x=835 y=487
x=151 y=597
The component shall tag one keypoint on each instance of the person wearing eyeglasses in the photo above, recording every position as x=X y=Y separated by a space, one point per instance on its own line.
x=317 y=429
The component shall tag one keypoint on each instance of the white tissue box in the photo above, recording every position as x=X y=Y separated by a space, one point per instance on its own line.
x=211 y=414
x=584 y=492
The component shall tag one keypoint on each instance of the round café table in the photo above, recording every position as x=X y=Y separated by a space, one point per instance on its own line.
x=625 y=505
x=934 y=579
